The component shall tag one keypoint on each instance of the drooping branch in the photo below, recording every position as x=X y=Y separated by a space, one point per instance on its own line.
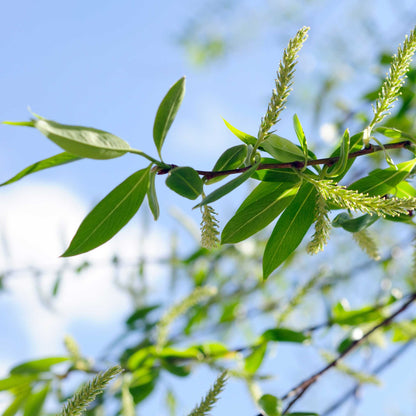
x=299 y=164
x=301 y=388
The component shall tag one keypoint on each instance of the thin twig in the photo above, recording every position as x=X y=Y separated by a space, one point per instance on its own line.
x=301 y=388
x=328 y=161
x=381 y=367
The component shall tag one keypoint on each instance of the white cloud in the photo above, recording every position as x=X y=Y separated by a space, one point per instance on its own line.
x=38 y=220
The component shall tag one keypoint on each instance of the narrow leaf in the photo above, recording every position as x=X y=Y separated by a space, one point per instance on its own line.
x=35 y=401
x=341 y=164
x=185 y=181
x=37 y=366
x=284 y=335
x=152 y=197
x=60 y=159
x=260 y=208
x=166 y=112
x=290 y=228
x=111 y=214
x=20 y=123
x=228 y=187
x=301 y=135
x=254 y=360
x=282 y=149
x=244 y=137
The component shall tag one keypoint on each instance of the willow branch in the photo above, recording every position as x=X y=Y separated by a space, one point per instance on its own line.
x=298 y=164
x=301 y=388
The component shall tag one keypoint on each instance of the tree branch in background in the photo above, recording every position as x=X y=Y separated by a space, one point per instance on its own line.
x=301 y=388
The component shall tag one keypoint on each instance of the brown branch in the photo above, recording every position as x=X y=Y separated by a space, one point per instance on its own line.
x=301 y=388
x=298 y=164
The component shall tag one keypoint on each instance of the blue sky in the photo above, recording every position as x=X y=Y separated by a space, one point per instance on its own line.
x=108 y=64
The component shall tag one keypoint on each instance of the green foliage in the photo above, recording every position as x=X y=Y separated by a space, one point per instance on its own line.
x=296 y=189
x=111 y=214
x=166 y=113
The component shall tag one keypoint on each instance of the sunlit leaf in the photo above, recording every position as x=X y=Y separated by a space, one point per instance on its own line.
x=282 y=149
x=244 y=137
x=300 y=135
x=111 y=214
x=395 y=133
x=83 y=141
x=253 y=361
x=37 y=366
x=166 y=113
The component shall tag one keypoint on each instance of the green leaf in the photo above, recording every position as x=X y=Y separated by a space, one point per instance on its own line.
x=177 y=370
x=244 y=137
x=152 y=197
x=301 y=136
x=60 y=159
x=17 y=403
x=229 y=186
x=111 y=214
x=356 y=143
x=253 y=361
x=143 y=383
x=232 y=158
x=17 y=380
x=341 y=164
x=341 y=316
x=282 y=149
x=284 y=335
x=37 y=366
x=290 y=228
x=384 y=181
x=271 y=405
x=185 y=181
x=140 y=314
x=35 y=401
x=353 y=225
x=258 y=210
x=20 y=123
x=83 y=141
x=166 y=112
x=395 y=133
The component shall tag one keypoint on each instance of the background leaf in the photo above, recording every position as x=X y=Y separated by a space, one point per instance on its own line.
x=166 y=113
x=111 y=214
x=271 y=405
x=37 y=366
